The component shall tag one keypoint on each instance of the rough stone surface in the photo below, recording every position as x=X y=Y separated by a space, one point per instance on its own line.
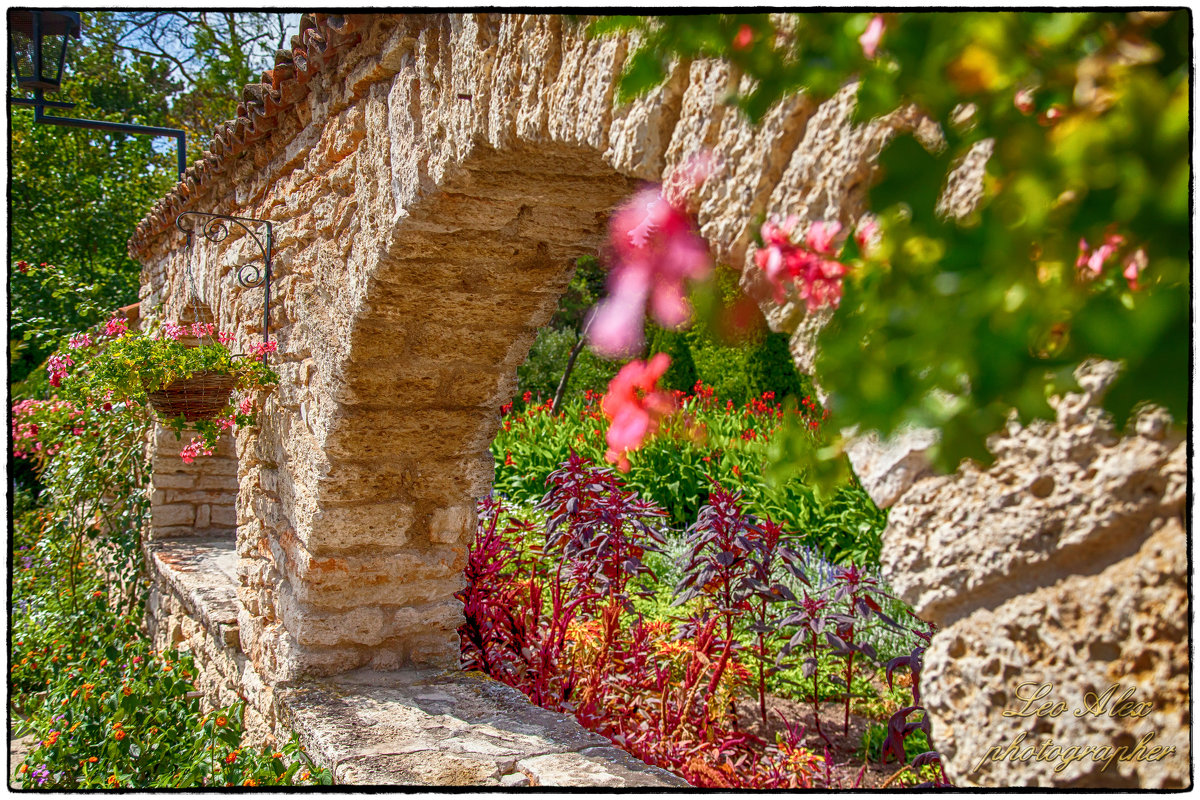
x=1063 y=565
x=430 y=178
x=887 y=468
x=433 y=728
x=429 y=187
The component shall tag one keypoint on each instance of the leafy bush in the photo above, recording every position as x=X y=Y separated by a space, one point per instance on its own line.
x=711 y=439
x=564 y=604
x=105 y=709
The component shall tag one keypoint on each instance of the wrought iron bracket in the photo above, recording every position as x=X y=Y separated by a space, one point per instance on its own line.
x=215 y=228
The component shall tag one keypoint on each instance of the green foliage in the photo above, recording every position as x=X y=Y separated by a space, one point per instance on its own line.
x=76 y=194
x=742 y=372
x=547 y=360
x=870 y=747
x=710 y=440
x=106 y=710
x=951 y=325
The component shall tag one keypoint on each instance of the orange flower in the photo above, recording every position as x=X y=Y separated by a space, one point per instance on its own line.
x=221 y=722
x=119 y=735
x=276 y=755
x=249 y=782
x=112 y=781
x=125 y=690
x=232 y=757
x=93 y=760
x=104 y=662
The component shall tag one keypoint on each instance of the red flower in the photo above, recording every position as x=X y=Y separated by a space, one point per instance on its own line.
x=635 y=407
x=744 y=37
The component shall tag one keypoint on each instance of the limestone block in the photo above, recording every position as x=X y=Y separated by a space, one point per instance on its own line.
x=605 y=767
x=1060 y=499
x=452 y=525
x=887 y=468
x=1125 y=627
x=175 y=514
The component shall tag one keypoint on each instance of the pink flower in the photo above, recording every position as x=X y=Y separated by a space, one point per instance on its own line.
x=655 y=249
x=174 y=331
x=1094 y=261
x=867 y=234
x=263 y=347
x=245 y=406
x=635 y=407
x=744 y=37
x=193 y=450
x=116 y=326
x=820 y=236
x=1134 y=264
x=820 y=279
x=57 y=367
x=1023 y=100
x=872 y=36
x=80 y=340
x=202 y=329
x=226 y=338
x=226 y=423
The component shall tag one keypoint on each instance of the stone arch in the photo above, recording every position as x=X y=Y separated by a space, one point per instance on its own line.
x=429 y=178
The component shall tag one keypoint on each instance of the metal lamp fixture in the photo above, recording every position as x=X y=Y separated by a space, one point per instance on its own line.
x=37 y=46
x=37 y=51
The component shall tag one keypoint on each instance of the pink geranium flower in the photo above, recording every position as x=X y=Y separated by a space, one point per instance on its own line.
x=263 y=347
x=1134 y=264
x=57 y=366
x=872 y=36
x=819 y=278
x=80 y=340
x=635 y=407
x=194 y=449
x=655 y=249
x=116 y=326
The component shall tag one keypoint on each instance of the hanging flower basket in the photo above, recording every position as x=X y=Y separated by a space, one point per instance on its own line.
x=187 y=385
x=204 y=395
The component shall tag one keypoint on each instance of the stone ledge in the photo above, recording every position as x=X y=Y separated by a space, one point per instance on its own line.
x=450 y=728
x=202 y=572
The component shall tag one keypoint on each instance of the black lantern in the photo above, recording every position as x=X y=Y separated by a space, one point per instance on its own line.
x=37 y=45
x=37 y=50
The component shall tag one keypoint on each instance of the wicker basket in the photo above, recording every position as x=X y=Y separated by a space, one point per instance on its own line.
x=201 y=396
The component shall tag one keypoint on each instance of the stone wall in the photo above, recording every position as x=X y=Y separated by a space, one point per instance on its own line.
x=430 y=178
x=429 y=186
x=1062 y=566
x=186 y=499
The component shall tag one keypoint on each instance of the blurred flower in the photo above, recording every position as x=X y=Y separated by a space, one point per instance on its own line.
x=635 y=406
x=263 y=347
x=80 y=340
x=1094 y=260
x=872 y=36
x=743 y=38
x=819 y=278
x=1134 y=264
x=655 y=248
x=1023 y=100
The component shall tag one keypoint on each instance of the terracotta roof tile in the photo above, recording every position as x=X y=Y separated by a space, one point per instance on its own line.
x=320 y=42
